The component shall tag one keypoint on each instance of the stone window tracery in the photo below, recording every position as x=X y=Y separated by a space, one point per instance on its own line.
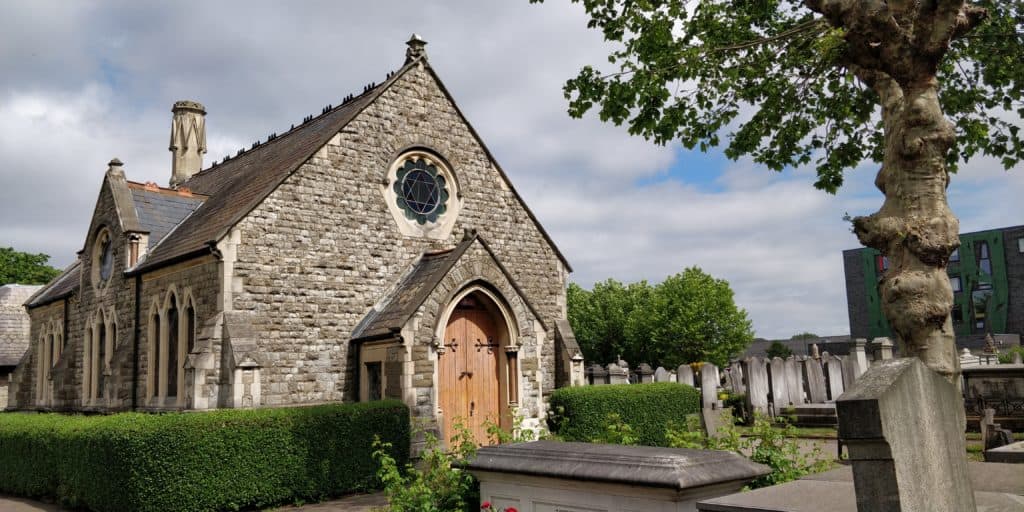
x=422 y=194
x=172 y=336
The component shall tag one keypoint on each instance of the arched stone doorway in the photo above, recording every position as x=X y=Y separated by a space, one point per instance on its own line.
x=477 y=370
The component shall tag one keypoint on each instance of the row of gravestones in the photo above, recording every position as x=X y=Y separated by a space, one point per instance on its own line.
x=766 y=383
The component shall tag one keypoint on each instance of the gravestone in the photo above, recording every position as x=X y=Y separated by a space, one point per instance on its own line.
x=644 y=373
x=757 y=385
x=795 y=381
x=815 y=381
x=1017 y=359
x=780 y=392
x=736 y=378
x=834 y=375
x=903 y=427
x=617 y=374
x=709 y=387
x=968 y=360
x=856 y=363
x=684 y=374
x=882 y=348
x=597 y=375
x=662 y=375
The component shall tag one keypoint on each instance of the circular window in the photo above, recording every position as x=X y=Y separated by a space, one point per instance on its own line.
x=107 y=260
x=421 y=192
x=102 y=258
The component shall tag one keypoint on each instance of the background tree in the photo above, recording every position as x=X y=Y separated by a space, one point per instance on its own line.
x=696 y=319
x=689 y=317
x=778 y=349
x=805 y=336
x=832 y=83
x=607 y=320
x=24 y=268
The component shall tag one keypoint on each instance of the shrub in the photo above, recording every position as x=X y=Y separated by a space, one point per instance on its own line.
x=581 y=413
x=215 y=460
x=772 y=446
x=437 y=483
x=1007 y=358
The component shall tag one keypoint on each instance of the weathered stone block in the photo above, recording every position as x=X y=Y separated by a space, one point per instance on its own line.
x=904 y=427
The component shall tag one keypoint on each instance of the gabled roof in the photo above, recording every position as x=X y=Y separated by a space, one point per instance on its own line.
x=238 y=185
x=417 y=284
x=62 y=286
x=160 y=209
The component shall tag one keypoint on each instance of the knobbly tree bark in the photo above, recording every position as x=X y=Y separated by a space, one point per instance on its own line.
x=895 y=48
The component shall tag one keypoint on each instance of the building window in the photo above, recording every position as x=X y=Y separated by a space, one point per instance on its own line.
x=422 y=192
x=984 y=262
x=172 y=349
x=955 y=257
x=1020 y=245
x=374 y=382
x=958 y=315
x=102 y=258
x=190 y=328
x=154 y=353
x=101 y=358
x=954 y=281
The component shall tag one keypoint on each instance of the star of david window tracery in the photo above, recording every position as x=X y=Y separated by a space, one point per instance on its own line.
x=422 y=192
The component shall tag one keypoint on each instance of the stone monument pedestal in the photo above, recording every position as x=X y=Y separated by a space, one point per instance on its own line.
x=903 y=425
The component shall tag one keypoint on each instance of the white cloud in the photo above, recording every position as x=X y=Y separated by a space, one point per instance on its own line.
x=86 y=82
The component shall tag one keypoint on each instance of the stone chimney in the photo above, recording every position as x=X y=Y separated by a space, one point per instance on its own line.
x=188 y=140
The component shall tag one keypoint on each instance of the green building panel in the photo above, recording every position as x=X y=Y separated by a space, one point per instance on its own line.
x=978 y=275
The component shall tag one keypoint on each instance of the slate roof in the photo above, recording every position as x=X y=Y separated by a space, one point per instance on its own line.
x=238 y=185
x=159 y=210
x=416 y=285
x=62 y=286
x=410 y=293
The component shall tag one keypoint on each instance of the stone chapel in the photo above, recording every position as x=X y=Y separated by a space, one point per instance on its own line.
x=376 y=250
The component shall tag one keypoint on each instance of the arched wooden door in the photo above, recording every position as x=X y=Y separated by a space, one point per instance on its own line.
x=468 y=370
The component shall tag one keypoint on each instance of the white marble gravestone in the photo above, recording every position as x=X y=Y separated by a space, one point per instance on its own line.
x=780 y=392
x=684 y=374
x=757 y=384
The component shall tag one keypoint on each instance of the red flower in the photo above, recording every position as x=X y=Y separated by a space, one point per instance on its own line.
x=511 y=509
x=485 y=505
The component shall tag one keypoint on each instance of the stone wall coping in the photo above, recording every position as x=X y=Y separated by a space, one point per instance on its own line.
x=673 y=468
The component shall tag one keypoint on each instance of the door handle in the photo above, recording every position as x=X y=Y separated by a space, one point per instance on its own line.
x=472 y=407
x=466 y=374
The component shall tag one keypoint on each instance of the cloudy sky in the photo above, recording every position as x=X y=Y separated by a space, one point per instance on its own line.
x=83 y=82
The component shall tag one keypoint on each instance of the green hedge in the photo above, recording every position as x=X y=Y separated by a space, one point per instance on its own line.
x=220 y=460
x=580 y=413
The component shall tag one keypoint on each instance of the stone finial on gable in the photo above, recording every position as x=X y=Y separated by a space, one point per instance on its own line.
x=417 y=48
x=115 y=166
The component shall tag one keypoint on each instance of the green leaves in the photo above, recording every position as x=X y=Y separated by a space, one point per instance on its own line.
x=689 y=317
x=199 y=460
x=770 y=78
x=24 y=268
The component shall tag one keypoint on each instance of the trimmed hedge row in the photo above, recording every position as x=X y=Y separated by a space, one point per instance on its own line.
x=219 y=460
x=580 y=413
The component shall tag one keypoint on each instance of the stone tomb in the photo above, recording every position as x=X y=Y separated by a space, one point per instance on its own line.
x=709 y=386
x=553 y=476
x=780 y=391
x=757 y=385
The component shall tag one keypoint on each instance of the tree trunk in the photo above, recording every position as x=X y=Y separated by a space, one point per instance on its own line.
x=915 y=228
x=895 y=47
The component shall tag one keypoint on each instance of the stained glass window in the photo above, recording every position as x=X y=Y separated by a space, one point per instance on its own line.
x=422 y=192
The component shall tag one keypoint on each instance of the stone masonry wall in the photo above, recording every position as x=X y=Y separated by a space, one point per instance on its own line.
x=1014 y=280
x=475 y=265
x=319 y=251
x=198 y=279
